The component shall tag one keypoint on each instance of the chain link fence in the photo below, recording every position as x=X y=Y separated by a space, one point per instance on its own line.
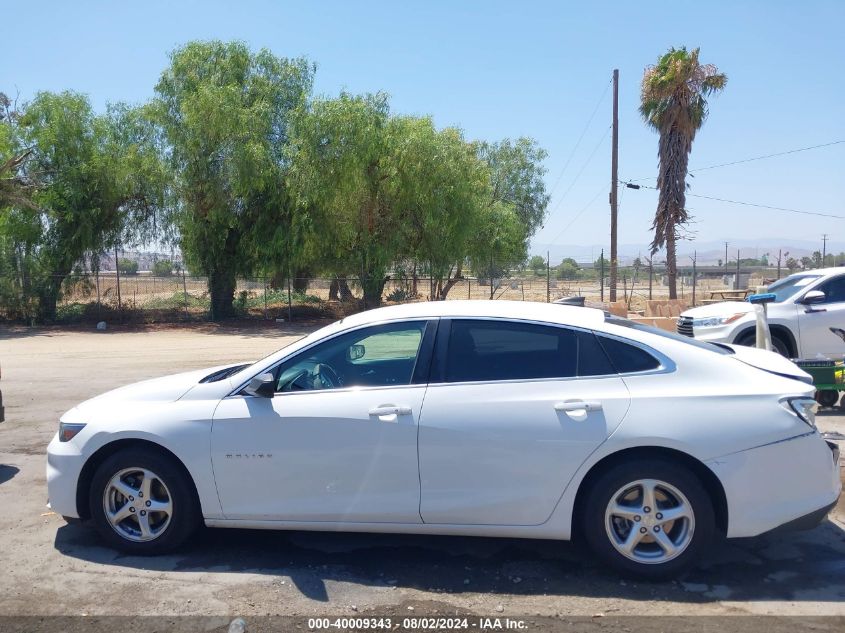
x=144 y=297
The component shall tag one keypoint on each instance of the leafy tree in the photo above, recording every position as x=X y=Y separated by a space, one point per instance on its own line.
x=127 y=266
x=516 y=178
x=499 y=242
x=568 y=269
x=792 y=264
x=806 y=262
x=674 y=103
x=225 y=112
x=537 y=263
x=95 y=185
x=342 y=170
x=163 y=268
x=440 y=187
x=16 y=187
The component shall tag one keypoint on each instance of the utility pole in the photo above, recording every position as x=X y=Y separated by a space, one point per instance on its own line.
x=736 y=282
x=548 y=278
x=726 y=258
x=614 y=178
x=824 y=248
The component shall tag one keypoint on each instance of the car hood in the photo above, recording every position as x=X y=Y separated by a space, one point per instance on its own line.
x=771 y=362
x=723 y=308
x=164 y=389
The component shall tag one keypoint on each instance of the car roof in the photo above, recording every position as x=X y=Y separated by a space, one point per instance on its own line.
x=835 y=270
x=526 y=310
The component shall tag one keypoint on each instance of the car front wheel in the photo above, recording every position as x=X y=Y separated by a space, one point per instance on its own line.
x=652 y=519
x=142 y=503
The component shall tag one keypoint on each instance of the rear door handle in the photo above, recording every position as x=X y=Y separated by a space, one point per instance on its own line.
x=390 y=409
x=578 y=405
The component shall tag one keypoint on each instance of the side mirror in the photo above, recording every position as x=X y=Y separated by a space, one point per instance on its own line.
x=814 y=296
x=262 y=386
x=355 y=352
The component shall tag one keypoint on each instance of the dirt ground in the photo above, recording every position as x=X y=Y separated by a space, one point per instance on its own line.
x=50 y=568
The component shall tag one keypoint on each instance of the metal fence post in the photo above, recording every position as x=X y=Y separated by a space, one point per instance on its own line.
x=185 y=293
x=117 y=273
x=99 y=307
x=290 y=298
x=264 y=279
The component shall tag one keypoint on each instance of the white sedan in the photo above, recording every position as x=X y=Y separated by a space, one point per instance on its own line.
x=477 y=418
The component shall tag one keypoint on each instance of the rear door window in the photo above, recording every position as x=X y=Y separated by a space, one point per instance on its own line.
x=491 y=350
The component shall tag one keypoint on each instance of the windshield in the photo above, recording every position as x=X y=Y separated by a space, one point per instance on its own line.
x=791 y=286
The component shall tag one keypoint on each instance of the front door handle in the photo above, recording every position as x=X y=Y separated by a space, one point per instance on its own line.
x=390 y=409
x=578 y=405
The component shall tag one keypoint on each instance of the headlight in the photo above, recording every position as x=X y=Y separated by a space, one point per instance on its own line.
x=713 y=321
x=804 y=408
x=67 y=431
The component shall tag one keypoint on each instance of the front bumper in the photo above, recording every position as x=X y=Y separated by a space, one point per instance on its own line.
x=772 y=486
x=64 y=465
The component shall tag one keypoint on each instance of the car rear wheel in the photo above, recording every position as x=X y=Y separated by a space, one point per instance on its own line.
x=652 y=519
x=142 y=503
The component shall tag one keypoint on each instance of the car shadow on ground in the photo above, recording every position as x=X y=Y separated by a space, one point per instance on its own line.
x=802 y=566
x=7 y=472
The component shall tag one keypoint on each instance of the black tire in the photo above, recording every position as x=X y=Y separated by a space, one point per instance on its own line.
x=827 y=397
x=778 y=344
x=184 y=517
x=601 y=494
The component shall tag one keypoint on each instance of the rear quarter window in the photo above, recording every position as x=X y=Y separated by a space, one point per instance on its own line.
x=627 y=358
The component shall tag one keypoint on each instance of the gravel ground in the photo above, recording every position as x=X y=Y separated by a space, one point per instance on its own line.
x=50 y=568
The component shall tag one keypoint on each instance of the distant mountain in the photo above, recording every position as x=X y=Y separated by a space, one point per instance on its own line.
x=707 y=252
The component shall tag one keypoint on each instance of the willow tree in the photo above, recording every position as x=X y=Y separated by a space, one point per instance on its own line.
x=99 y=177
x=342 y=170
x=674 y=103
x=441 y=188
x=225 y=113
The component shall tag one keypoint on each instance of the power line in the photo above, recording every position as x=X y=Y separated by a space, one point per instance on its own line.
x=755 y=158
x=754 y=204
x=748 y=160
x=581 y=138
x=578 y=215
x=581 y=171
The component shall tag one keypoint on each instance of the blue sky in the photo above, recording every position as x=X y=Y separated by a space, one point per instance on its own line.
x=508 y=69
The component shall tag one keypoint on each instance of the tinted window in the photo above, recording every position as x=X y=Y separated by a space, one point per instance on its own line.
x=833 y=289
x=378 y=356
x=592 y=360
x=628 y=358
x=497 y=350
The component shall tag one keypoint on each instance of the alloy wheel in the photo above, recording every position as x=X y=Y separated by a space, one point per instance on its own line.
x=649 y=521
x=137 y=504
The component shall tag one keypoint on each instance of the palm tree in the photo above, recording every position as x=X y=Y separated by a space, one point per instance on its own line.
x=673 y=102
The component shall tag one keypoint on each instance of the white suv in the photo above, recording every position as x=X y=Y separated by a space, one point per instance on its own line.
x=807 y=320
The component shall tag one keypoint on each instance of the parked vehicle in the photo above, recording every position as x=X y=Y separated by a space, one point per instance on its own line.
x=496 y=418
x=806 y=319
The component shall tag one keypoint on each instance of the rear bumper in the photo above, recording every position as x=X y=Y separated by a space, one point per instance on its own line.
x=795 y=481
x=806 y=522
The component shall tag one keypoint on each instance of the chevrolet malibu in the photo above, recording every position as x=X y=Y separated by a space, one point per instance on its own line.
x=498 y=418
